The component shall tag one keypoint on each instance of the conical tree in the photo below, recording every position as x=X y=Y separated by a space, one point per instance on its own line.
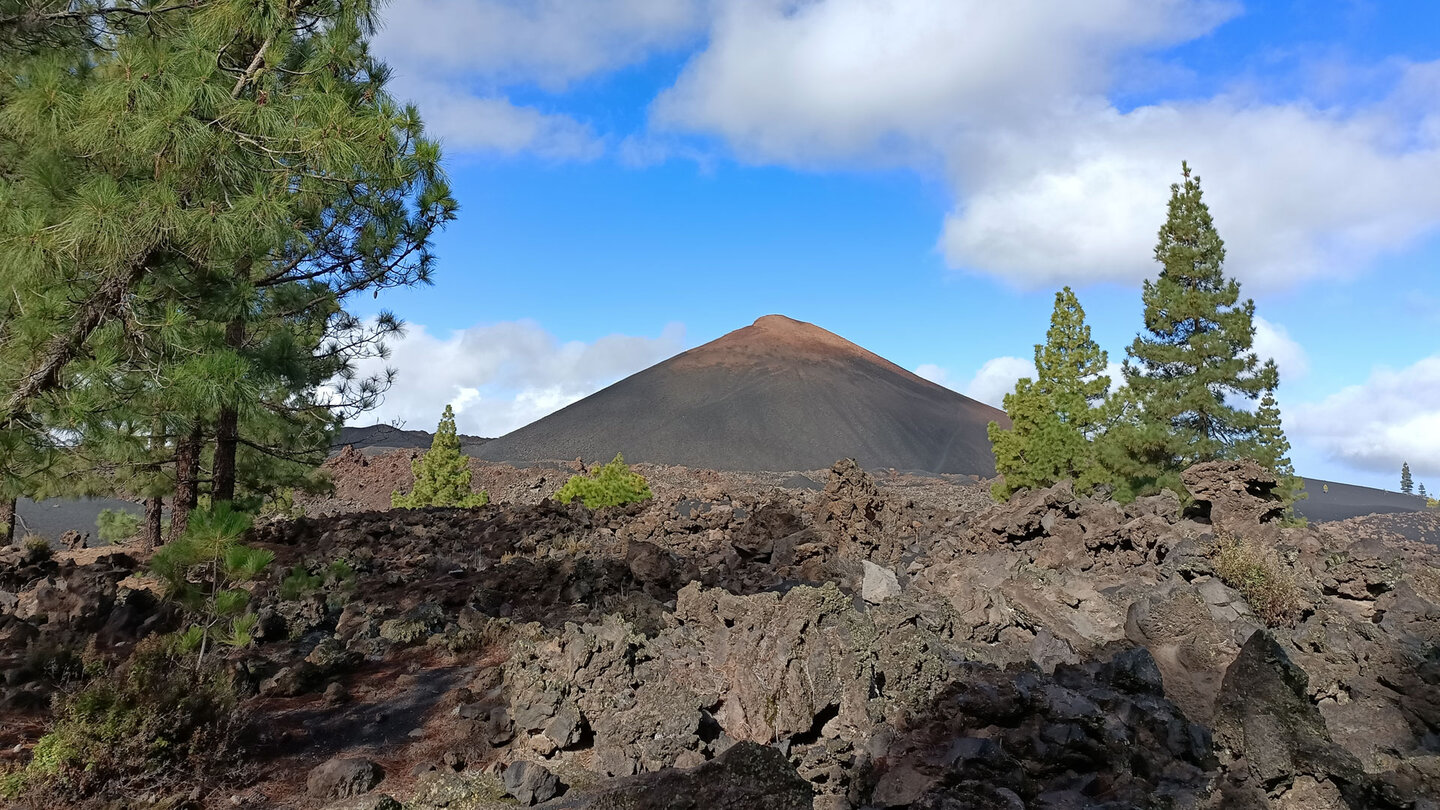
x=442 y=476
x=1055 y=417
x=1272 y=449
x=1070 y=368
x=1186 y=374
x=1407 y=483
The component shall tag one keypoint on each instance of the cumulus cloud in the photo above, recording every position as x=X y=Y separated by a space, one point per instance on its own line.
x=1273 y=342
x=502 y=376
x=933 y=373
x=1297 y=192
x=456 y=59
x=1053 y=183
x=1391 y=418
x=494 y=125
x=997 y=378
x=545 y=42
x=806 y=82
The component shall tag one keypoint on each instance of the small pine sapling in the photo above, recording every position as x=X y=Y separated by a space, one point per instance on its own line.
x=442 y=475
x=205 y=571
x=613 y=484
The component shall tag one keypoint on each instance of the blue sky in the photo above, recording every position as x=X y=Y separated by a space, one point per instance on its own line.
x=641 y=176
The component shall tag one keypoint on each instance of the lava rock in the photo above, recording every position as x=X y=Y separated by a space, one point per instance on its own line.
x=343 y=777
x=530 y=783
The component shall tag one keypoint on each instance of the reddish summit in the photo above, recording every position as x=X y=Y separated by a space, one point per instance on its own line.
x=779 y=394
x=776 y=340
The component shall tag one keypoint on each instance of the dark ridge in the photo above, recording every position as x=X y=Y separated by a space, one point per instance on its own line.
x=777 y=395
x=382 y=438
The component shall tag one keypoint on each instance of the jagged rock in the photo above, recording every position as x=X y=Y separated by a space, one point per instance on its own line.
x=530 y=783
x=1236 y=496
x=343 y=777
x=858 y=519
x=1263 y=716
x=879 y=584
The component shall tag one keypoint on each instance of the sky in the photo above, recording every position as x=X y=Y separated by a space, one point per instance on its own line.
x=639 y=177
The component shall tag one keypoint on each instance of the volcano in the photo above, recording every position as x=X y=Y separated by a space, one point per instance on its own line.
x=777 y=395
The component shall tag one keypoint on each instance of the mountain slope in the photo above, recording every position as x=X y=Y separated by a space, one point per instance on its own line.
x=779 y=394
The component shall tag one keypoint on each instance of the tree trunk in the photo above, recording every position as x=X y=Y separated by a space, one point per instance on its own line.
x=227 y=429
x=187 y=489
x=150 y=534
x=7 y=521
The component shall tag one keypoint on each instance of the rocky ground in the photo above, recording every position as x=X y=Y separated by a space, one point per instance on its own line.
x=827 y=639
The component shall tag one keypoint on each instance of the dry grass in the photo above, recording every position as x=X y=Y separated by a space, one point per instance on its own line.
x=1260 y=576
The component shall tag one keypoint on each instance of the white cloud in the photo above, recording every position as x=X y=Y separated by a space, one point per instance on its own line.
x=457 y=58
x=1296 y=192
x=934 y=374
x=1053 y=183
x=1391 y=418
x=547 y=42
x=505 y=375
x=494 y=125
x=1273 y=341
x=997 y=378
x=806 y=82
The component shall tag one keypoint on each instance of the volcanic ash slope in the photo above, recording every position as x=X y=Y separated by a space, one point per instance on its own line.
x=779 y=394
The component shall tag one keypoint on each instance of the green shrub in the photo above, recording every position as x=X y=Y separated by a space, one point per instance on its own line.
x=203 y=571
x=129 y=729
x=1261 y=577
x=613 y=484
x=442 y=475
x=116 y=525
x=37 y=548
x=299 y=584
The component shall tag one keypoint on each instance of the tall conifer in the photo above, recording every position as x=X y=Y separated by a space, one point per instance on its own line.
x=1055 y=416
x=1407 y=483
x=183 y=188
x=1185 y=374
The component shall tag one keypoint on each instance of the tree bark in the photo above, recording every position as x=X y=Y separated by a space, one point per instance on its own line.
x=7 y=521
x=150 y=534
x=227 y=429
x=187 y=489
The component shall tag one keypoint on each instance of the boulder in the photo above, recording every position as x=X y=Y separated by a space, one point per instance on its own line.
x=1236 y=496
x=343 y=777
x=879 y=584
x=1264 y=717
x=530 y=783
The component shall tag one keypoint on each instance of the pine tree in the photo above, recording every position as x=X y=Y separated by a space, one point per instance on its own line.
x=1407 y=484
x=1423 y=493
x=1056 y=416
x=189 y=195
x=442 y=475
x=614 y=484
x=1272 y=449
x=1184 y=373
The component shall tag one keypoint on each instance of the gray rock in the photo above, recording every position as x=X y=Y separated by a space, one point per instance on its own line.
x=530 y=783
x=343 y=777
x=880 y=583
